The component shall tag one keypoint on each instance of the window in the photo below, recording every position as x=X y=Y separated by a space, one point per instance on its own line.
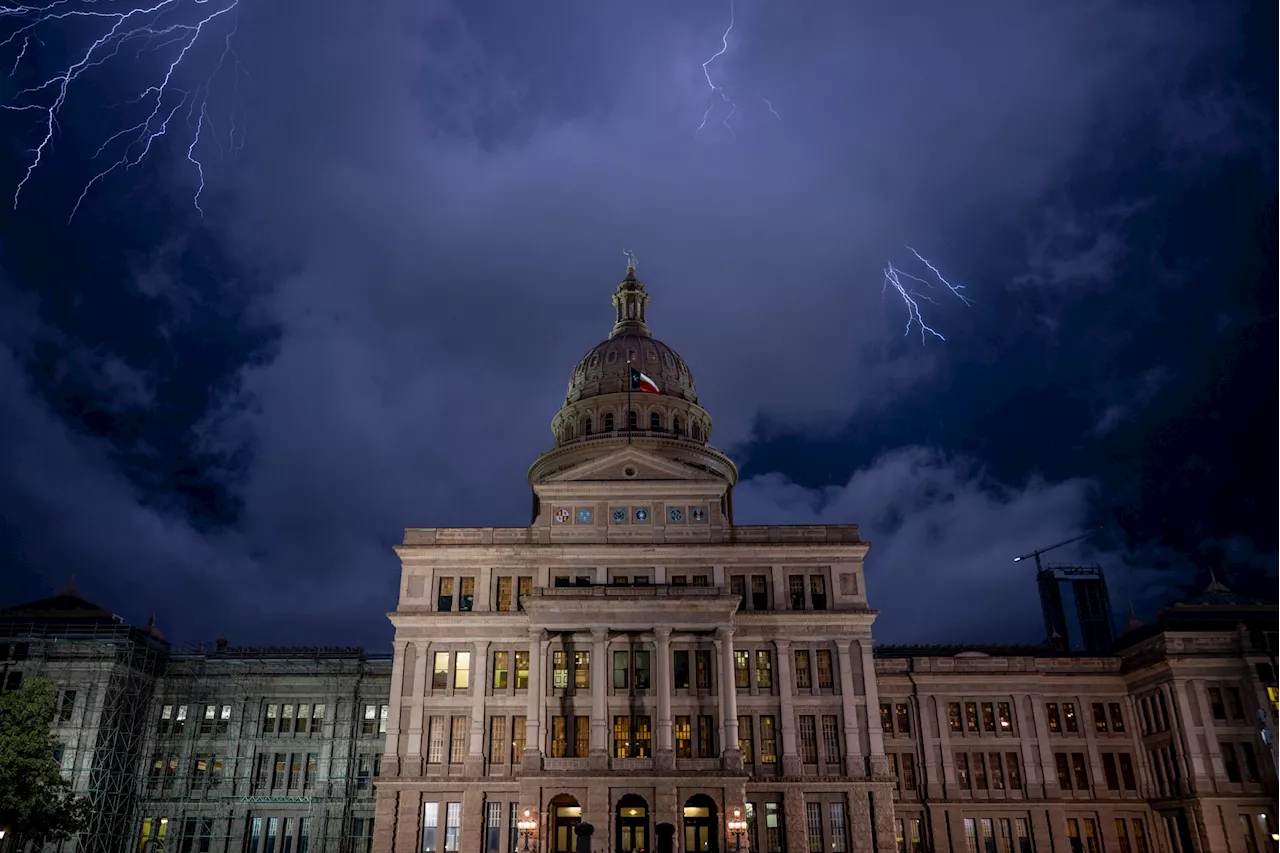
x=317 y=716
x=795 y=585
x=462 y=670
x=621 y=737
x=655 y=422
x=759 y=592
x=683 y=737
x=838 y=836
x=304 y=714
x=1126 y=772
x=741 y=669
x=813 y=817
x=804 y=676
x=738 y=587
x=503 y=603
x=1006 y=717
x=1117 y=718
x=430 y=823
x=522 y=670
x=457 y=740
x=1110 y=772
x=1216 y=704
x=768 y=740
x=744 y=740
x=493 y=828
x=560 y=670
x=706 y=736
x=979 y=766
x=971 y=716
x=1069 y=717
x=808 y=740
x=642 y=670
x=962 y=771
x=818 y=592
x=702 y=669
x=582 y=736
x=466 y=593
x=764 y=669
x=907 y=775
x=500 y=669
x=582 y=670
x=524 y=587
x=1234 y=705
x=1013 y=772
x=1080 y=771
x=825 y=678
x=517 y=738
x=375 y=720
x=680 y=669
x=440 y=671
x=1063 y=766
x=988 y=717
x=497 y=740
x=953 y=716
x=435 y=740
x=1229 y=761
x=1055 y=721
x=1250 y=762
x=68 y=705
x=996 y=766
x=902 y=714
x=444 y=599
x=1099 y=717
x=642 y=744
x=559 y=737
x=179 y=719
x=830 y=739
x=286 y=719
x=886 y=718
x=452 y=826
x=621 y=670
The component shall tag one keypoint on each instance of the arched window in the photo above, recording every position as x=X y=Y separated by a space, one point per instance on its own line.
x=632 y=420
x=586 y=427
x=608 y=422
x=655 y=422
x=569 y=432
x=697 y=430
x=675 y=425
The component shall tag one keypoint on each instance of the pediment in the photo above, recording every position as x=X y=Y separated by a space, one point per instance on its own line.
x=620 y=464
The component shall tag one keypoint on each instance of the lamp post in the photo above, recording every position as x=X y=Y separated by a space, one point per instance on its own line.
x=527 y=826
x=737 y=828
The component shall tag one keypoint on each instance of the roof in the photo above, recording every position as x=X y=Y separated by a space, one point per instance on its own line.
x=64 y=605
x=1218 y=595
x=972 y=650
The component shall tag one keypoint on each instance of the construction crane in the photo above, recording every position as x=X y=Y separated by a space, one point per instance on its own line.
x=1037 y=554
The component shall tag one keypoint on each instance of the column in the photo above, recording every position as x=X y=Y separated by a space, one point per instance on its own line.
x=728 y=701
x=479 y=683
x=391 y=753
x=1097 y=777
x=854 y=764
x=533 y=713
x=879 y=764
x=1188 y=741
x=665 y=753
x=1206 y=715
x=790 y=755
x=599 y=697
x=1047 y=767
x=412 y=765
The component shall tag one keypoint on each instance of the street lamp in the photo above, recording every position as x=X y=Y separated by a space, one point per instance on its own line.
x=737 y=828
x=527 y=826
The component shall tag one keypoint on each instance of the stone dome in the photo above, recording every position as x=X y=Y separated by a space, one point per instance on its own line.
x=604 y=370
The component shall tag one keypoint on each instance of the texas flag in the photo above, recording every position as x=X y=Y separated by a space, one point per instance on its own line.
x=640 y=382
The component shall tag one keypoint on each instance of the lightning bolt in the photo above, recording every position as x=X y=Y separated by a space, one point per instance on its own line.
x=719 y=90
x=893 y=277
x=151 y=28
x=768 y=103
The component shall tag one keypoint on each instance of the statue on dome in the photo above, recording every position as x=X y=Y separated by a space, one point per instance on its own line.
x=631 y=258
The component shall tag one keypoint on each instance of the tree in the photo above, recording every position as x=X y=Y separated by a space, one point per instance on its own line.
x=36 y=803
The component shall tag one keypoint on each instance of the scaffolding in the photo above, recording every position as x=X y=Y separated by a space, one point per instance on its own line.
x=116 y=666
x=325 y=807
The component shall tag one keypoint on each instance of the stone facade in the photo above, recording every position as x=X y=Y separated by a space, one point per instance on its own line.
x=633 y=657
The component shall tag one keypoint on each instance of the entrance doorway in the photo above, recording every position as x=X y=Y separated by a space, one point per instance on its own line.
x=632 y=821
x=565 y=814
x=700 y=825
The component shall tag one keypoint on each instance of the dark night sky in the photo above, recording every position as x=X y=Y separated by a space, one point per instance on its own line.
x=413 y=215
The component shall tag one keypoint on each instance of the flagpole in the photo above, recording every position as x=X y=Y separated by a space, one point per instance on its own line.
x=629 y=384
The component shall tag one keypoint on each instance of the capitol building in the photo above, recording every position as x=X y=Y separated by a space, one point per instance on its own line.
x=634 y=658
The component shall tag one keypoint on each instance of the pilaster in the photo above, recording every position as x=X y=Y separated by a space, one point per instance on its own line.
x=664 y=756
x=855 y=763
x=790 y=755
x=879 y=763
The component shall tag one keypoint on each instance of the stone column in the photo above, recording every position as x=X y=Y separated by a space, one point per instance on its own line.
x=408 y=816
x=391 y=752
x=1188 y=741
x=599 y=698
x=855 y=764
x=882 y=802
x=412 y=765
x=731 y=754
x=790 y=755
x=875 y=735
x=1097 y=777
x=532 y=759
x=665 y=754
x=939 y=763
x=479 y=682
x=1206 y=716
x=1048 y=768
